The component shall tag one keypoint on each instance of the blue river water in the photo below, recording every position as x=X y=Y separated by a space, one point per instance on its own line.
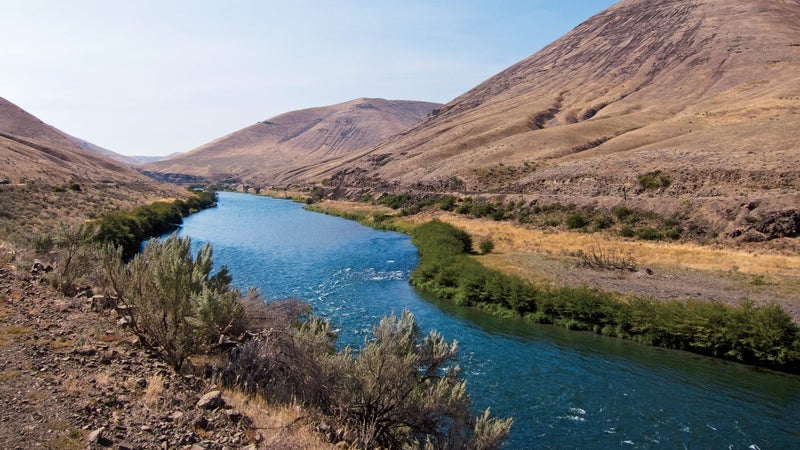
x=564 y=389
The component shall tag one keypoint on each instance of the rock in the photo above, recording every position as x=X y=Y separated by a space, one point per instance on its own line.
x=85 y=351
x=101 y=302
x=211 y=400
x=176 y=416
x=201 y=423
x=250 y=447
x=234 y=416
x=124 y=321
x=96 y=436
x=38 y=266
x=780 y=224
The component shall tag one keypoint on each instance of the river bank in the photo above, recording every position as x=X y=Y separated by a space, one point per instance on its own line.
x=659 y=270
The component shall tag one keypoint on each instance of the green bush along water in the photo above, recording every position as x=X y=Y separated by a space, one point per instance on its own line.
x=128 y=229
x=763 y=336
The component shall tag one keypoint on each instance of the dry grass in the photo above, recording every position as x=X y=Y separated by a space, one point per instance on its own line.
x=11 y=333
x=154 y=392
x=279 y=427
x=680 y=270
x=72 y=440
x=8 y=374
x=511 y=238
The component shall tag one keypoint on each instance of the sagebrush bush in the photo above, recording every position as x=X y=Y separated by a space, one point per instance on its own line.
x=486 y=246
x=400 y=390
x=175 y=304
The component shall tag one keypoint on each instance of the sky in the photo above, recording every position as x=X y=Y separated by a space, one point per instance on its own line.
x=153 y=77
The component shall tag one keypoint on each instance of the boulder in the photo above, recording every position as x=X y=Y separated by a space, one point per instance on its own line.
x=211 y=400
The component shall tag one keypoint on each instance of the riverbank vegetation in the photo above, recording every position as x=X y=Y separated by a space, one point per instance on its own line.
x=127 y=229
x=401 y=389
x=68 y=252
x=763 y=336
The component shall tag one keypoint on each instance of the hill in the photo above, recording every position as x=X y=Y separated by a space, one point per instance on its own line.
x=50 y=178
x=102 y=151
x=679 y=107
x=268 y=152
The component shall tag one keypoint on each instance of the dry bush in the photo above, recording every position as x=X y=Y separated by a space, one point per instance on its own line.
x=599 y=258
x=278 y=426
x=400 y=390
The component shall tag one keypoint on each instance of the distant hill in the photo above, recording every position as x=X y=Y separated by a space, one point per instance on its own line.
x=706 y=92
x=268 y=152
x=148 y=159
x=51 y=178
x=97 y=150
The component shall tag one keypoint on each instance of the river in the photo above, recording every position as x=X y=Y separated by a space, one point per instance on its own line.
x=565 y=389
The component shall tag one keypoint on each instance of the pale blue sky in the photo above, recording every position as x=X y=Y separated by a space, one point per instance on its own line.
x=150 y=77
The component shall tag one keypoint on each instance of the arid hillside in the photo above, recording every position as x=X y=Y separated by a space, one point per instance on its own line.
x=102 y=151
x=47 y=178
x=675 y=106
x=268 y=152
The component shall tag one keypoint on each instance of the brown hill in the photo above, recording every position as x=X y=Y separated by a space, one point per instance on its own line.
x=263 y=154
x=705 y=91
x=49 y=178
x=102 y=151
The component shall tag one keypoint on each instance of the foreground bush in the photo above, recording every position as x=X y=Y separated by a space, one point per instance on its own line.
x=173 y=301
x=401 y=390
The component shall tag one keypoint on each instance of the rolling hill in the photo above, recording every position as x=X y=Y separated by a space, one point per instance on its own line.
x=684 y=107
x=268 y=152
x=50 y=178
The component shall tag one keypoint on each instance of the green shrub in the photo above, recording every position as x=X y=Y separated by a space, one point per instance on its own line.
x=447 y=203
x=486 y=246
x=764 y=336
x=174 y=302
x=625 y=214
x=649 y=234
x=396 y=201
x=627 y=231
x=576 y=220
x=654 y=180
x=602 y=222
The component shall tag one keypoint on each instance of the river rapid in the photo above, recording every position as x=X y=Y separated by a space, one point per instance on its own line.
x=564 y=389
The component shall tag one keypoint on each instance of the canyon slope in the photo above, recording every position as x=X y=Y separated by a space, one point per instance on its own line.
x=269 y=152
x=702 y=96
x=49 y=178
